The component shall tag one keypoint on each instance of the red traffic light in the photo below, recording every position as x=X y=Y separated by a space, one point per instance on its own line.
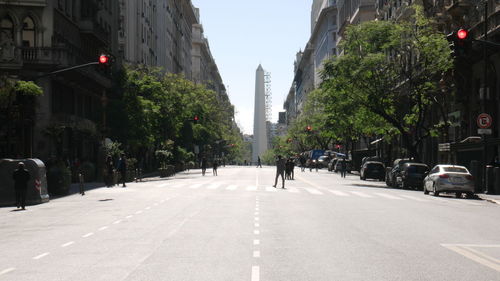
x=462 y=34
x=308 y=128
x=196 y=118
x=103 y=59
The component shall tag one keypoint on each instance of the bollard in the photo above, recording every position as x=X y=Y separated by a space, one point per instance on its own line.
x=489 y=180
x=80 y=178
x=496 y=184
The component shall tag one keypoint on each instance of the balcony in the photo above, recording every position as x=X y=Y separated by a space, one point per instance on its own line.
x=90 y=27
x=45 y=56
x=457 y=7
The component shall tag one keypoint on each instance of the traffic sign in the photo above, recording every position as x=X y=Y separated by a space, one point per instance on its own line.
x=484 y=121
x=484 y=131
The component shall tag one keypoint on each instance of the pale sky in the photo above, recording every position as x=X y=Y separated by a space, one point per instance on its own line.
x=243 y=34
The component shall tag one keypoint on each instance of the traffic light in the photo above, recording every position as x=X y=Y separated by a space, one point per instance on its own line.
x=460 y=42
x=195 y=119
x=308 y=129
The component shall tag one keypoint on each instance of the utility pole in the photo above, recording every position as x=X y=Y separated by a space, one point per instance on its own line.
x=485 y=92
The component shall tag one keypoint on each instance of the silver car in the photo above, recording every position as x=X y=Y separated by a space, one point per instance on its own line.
x=449 y=178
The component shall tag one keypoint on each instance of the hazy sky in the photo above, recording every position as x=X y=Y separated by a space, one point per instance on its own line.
x=243 y=34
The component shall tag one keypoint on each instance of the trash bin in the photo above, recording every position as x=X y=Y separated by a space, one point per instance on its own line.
x=490 y=180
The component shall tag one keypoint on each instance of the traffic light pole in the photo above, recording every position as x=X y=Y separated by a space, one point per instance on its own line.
x=67 y=69
x=485 y=93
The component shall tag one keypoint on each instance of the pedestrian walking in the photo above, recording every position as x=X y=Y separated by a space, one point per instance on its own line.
x=302 y=160
x=215 y=166
x=122 y=169
x=259 y=164
x=280 y=171
x=288 y=169
x=343 y=167
x=292 y=167
x=110 y=171
x=203 y=166
x=21 y=176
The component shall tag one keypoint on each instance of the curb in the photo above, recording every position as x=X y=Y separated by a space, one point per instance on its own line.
x=494 y=201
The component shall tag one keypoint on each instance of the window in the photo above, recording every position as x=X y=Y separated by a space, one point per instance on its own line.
x=28 y=33
x=6 y=29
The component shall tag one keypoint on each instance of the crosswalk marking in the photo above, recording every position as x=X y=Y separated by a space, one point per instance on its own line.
x=292 y=190
x=338 y=193
x=414 y=198
x=231 y=187
x=361 y=194
x=196 y=185
x=388 y=196
x=252 y=188
x=214 y=186
x=313 y=191
x=270 y=189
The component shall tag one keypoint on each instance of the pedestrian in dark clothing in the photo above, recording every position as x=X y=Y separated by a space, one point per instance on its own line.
x=21 y=177
x=122 y=168
x=302 y=163
x=280 y=171
x=215 y=166
x=259 y=164
x=343 y=167
x=109 y=171
x=203 y=165
x=292 y=167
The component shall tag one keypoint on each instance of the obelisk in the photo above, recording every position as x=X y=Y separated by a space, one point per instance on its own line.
x=259 y=145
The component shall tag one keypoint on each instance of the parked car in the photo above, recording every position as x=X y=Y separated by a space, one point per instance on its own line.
x=348 y=163
x=449 y=178
x=392 y=173
x=412 y=175
x=372 y=170
x=323 y=161
x=331 y=164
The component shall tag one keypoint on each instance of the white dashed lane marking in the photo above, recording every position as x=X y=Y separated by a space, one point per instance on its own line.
x=255 y=273
x=68 y=244
x=88 y=235
x=103 y=228
x=41 y=256
x=313 y=191
x=256 y=254
x=117 y=222
x=388 y=196
x=361 y=194
x=231 y=187
x=256 y=242
x=252 y=188
x=5 y=271
x=338 y=193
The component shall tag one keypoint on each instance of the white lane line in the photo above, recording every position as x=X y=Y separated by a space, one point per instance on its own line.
x=128 y=217
x=195 y=185
x=41 y=256
x=5 y=271
x=338 y=193
x=470 y=255
x=256 y=224
x=256 y=232
x=255 y=273
x=257 y=219
x=103 y=228
x=138 y=212
x=148 y=208
x=156 y=204
x=361 y=194
x=292 y=190
x=256 y=242
x=117 y=222
x=252 y=188
x=313 y=191
x=67 y=244
x=256 y=213
x=414 y=198
x=231 y=187
x=162 y=201
x=88 y=234
x=388 y=196
x=256 y=254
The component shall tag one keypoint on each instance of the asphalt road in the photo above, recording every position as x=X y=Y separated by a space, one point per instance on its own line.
x=236 y=226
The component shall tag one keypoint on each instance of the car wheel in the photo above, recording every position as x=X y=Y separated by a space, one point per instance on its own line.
x=434 y=190
x=458 y=194
x=425 y=190
x=470 y=195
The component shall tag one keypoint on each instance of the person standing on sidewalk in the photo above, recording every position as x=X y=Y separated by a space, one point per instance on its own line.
x=203 y=166
x=215 y=166
x=21 y=176
x=110 y=171
x=343 y=167
x=122 y=168
x=259 y=164
x=280 y=171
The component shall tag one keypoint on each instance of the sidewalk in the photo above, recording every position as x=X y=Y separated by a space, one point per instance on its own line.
x=490 y=198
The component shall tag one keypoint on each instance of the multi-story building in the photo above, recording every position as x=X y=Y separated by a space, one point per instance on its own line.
x=38 y=37
x=158 y=33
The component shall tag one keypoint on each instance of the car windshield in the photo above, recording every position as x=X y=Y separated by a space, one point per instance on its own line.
x=455 y=169
x=417 y=169
x=374 y=166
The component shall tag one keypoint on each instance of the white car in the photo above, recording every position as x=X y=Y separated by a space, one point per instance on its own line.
x=449 y=178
